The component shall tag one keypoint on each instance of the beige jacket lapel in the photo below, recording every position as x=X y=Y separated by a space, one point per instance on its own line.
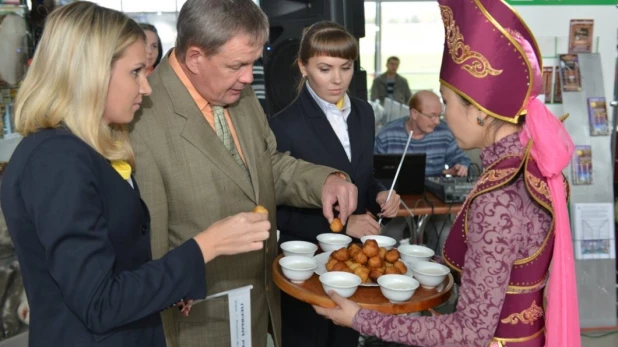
x=200 y=134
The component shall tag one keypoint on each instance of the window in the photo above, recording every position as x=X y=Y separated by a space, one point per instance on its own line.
x=368 y=43
x=413 y=31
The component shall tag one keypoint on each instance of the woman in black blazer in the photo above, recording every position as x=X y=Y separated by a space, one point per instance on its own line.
x=73 y=210
x=325 y=126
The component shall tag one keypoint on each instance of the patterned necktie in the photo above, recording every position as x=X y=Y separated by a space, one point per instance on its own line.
x=223 y=132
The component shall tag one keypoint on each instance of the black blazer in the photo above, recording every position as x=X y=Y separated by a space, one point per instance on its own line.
x=303 y=129
x=82 y=238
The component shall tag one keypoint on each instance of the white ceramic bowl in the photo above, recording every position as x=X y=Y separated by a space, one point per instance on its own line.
x=414 y=253
x=301 y=248
x=397 y=288
x=344 y=283
x=297 y=268
x=332 y=242
x=429 y=274
x=383 y=241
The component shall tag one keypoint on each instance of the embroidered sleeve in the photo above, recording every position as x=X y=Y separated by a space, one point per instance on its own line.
x=496 y=224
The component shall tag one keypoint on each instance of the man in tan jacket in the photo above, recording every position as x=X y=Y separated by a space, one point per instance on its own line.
x=204 y=151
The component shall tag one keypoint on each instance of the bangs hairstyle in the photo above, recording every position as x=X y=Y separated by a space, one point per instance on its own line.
x=327 y=39
x=68 y=81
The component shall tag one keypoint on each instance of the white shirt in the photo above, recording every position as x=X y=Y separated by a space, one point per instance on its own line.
x=338 y=119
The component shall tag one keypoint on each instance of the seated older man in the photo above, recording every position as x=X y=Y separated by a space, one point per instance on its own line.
x=430 y=135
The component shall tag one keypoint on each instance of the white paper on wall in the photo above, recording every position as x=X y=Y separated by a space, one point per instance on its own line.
x=594 y=231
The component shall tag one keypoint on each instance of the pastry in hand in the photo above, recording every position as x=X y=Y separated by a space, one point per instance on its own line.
x=336 y=226
x=260 y=209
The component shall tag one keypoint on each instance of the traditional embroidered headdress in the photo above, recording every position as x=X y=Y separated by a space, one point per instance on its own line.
x=483 y=59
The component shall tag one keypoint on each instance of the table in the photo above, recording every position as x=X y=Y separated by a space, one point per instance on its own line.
x=424 y=206
x=311 y=292
x=421 y=205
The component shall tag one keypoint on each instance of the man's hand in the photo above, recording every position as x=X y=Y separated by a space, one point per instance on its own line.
x=343 y=314
x=241 y=233
x=360 y=225
x=390 y=207
x=457 y=170
x=338 y=191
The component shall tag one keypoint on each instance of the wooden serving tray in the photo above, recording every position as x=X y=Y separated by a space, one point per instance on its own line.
x=371 y=298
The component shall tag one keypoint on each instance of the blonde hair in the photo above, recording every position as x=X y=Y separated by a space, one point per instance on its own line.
x=67 y=83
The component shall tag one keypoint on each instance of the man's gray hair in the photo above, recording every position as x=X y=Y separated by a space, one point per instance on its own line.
x=209 y=24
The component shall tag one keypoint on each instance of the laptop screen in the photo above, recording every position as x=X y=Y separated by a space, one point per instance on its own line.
x=411 y=179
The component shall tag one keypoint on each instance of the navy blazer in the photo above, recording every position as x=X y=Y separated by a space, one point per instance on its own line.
x=82 y=238
x=303 y=129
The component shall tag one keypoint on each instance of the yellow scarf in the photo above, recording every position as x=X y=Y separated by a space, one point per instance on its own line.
x=122 y=167
x=339 y=103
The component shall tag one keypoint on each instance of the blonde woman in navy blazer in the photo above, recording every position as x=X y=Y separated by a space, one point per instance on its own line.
x=73 y=209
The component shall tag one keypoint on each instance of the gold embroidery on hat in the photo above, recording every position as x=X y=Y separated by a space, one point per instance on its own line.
x=527 y=316
x=461 y=52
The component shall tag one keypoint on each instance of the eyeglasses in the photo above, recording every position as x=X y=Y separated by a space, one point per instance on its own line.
x=433 y=117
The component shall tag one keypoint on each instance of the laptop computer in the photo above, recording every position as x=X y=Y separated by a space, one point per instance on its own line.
x=411 y=179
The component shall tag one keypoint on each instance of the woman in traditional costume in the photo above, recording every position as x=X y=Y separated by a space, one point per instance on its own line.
x=514 y=227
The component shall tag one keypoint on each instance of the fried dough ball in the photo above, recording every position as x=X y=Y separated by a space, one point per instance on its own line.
x=361 y=258
x=391 y=271
x=382 y=252
x=375 y=273
x=371 y=248
x=341 y=267
x=260 y=209
x=392 y=256
x=401 y=267
x=363 y=273
x=354 y=249
x=352 y=265
x=341 y=255
x=336 y=226
x=330 y=264
x=375 y=262
x=387 y=264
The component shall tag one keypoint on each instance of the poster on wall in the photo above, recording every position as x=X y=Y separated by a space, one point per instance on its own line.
x=569 y=73
x=594 y=231
x=581 y=36
x=597 y=116
x=557 y=87
x=548 y=78
x=581 y=165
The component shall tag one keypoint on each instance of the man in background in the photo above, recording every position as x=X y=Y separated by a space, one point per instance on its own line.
x=390 y=84
x=430 y=136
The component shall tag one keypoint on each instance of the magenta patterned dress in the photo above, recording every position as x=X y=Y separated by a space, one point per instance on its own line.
x=504 y=225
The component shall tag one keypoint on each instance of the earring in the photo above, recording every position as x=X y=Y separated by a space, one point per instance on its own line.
x=480 y=121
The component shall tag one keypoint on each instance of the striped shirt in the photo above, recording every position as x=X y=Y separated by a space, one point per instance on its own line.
x=439 y=145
